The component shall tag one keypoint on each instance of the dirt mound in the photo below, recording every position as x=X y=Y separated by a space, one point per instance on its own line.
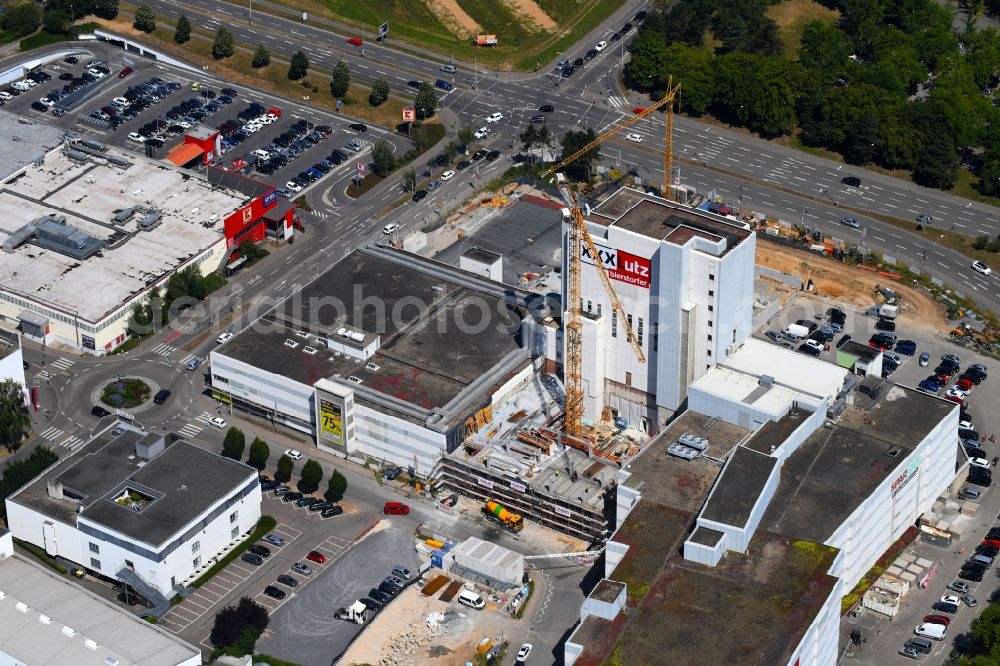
x=454 y=18
x=851 y=284
x=532 y=17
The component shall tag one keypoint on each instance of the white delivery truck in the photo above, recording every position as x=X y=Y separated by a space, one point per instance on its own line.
x=795 y=332
x=888 y=311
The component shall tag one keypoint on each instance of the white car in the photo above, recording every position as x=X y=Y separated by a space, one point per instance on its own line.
x=224 y=336
x=951 y=599
x=955 y=392
x=634 y=138
x=138 y=138
x=980 y=267
x=851 y=222
x=600 y=46
x=185 y=124
x=122 y=101
x=522 y=654
x=482 y=132
x=814 y=344
x=965 y=423
x=447 y=175
x=218 y=422
x=294 y=187
x=494 y=117
x=47 y=102
x=979 y=462
x=96 y=73
x=6 y=96
x=293 y=454
x=271 y=118
x=389 y=228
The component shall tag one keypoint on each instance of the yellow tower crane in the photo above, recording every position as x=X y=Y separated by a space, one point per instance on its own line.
x=577 y=235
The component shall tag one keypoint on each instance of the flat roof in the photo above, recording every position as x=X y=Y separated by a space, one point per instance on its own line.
x=837 y=468
x=774 y=433
x=739 y=487
x=649 y=215
x=861 y=351
x=432 y=343
x=117 y=633
x=527 y=234
x=790 y=371
x=23 y=141
x=749 y=609
x=183 y=482
x=90 y=194
x=675 y=482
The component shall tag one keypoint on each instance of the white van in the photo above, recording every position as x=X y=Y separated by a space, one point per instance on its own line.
x=795 y=332
x=21 y=85
x=934 y=632
x=262 y=154
x=471 y=599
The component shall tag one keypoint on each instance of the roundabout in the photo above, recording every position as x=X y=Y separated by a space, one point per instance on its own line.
x=129 y=393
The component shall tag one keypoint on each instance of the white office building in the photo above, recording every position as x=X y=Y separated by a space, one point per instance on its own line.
x=685 y=280
x=146 y=509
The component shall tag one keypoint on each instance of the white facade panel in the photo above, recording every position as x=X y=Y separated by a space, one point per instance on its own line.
x=397 y=440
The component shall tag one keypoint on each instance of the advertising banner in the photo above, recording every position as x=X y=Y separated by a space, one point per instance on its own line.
x=331 y=422
x=620 y=265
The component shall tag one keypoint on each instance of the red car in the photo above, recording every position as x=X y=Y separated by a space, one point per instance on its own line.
x=991 y=542
x=955 y=399
x=965 y=384
x=275 y=111
x=943 y=378
x=355 y=41
x=937 y=619
x=395 y=508
x=316 y=556
x=125 y=72
x=238 y=164
x=638 y=109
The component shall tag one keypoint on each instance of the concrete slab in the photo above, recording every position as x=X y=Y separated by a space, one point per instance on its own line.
x=908 y=577
x=924 y=562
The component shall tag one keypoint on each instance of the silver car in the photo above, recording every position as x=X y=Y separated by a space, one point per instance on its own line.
x=300 y=568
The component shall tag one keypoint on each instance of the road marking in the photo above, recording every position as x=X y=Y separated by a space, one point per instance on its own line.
x=72 y=443
x=52 y=433
x=163 y=349
x=62 y=363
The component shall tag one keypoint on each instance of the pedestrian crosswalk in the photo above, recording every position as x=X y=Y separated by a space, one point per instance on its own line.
x=62 y=363
x=54 y=367
x=163 y=349
x=193 y=428
x=617 y=102
x=58 y=436
x=189 y=357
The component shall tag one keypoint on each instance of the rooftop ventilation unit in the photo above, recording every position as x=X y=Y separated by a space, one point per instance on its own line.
x=302 y=334
x=151 y=219
x=69 y=632
x=895 y=452
x=291 y=343
x=90 y=643
x=372 y=366
x=766 y=381
x=309 y=350
x=111 y=661
x=357 y=336
x=118 y=161
x=693 y=441
x=44 y=619
x=21 y=607
x=356 y=380
x=124 y=214
x=75 y=155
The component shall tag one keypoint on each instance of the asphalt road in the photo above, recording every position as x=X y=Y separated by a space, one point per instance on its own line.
x=772 y=179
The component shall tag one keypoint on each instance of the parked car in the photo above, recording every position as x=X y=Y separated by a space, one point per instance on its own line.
x=285 y=579
x=395 y=508
x=99 y=412
x=258 y=549
x=316 y=556
x=251 y=558
x=302 y=569
x=275 y=592
x=332 y=511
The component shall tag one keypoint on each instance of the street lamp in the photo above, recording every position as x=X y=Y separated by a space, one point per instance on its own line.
x=251 y=13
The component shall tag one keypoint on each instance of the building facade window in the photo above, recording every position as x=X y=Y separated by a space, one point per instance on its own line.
x=656 y=337
x=614 y=324
x=195 y=547
x=709 y=352
x=628 y=379
x=95 y=563
x=711 y=276
x=709 y=337
x=94 y=548
x=711 y=292
x=711 y=308
x=598 y=309
x=234 y=533
x=234 y=516
x=196 y=562
x=710 y=323
x=640 y=331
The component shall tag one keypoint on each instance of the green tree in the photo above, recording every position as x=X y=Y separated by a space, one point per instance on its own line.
x=340 y=80
x=647 y=69
x=336 y=486
x=981 y=242
x=972 y=9
x=466 y=136
x=383 y=160
x=259 y=453
x=684 y=22
x=57 y=18
x=285 y=466
x=450 y=151
x=757 y=92
x=21 y=20
x=145 y=18
x=983 y=55
x=743 y=25
x=860 y=145
x=298 y=67
x=15 y=420
x=224 y=45
x=233 y=445
x=141 y=321
x=380 y=92
x=426 y=102
x=409 y=180
x=312 y=474
x=572 y=141
x=261 y=57
x=824 y=50
x=989 y=174
x=107 y=9
x=529 y=139
x=249 y=249
x=233 y=623
x=182 y=33
x=694 y=70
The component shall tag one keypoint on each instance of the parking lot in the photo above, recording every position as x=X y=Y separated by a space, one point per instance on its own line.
x=302 y=532
x=148 y=107
x=304 y=629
